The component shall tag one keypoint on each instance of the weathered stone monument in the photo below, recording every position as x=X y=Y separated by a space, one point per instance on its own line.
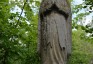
x=54 y=29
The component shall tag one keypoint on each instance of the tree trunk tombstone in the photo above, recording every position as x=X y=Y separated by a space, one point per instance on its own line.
x=54 y=30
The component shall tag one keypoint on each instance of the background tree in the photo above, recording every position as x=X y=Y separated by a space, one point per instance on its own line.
x=81 y=34
x=87 y=8
x=18 y=32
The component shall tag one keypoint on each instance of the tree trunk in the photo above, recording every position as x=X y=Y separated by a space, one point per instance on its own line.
x=54 y=44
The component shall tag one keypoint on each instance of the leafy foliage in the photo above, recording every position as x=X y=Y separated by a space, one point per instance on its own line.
x=89 y=4
x=80 y=12
x=82 y=48
x=18 y=33
x=82 y=38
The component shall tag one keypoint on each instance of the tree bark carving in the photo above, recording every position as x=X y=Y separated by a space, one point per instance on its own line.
x=54 y=31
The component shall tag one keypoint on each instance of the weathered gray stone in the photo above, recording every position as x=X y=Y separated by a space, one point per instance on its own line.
x=54 y=31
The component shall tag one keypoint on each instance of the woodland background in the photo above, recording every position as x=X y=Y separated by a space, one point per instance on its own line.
x=18 y=32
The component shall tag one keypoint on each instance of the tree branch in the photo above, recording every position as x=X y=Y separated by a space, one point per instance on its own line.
x=22 y=11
